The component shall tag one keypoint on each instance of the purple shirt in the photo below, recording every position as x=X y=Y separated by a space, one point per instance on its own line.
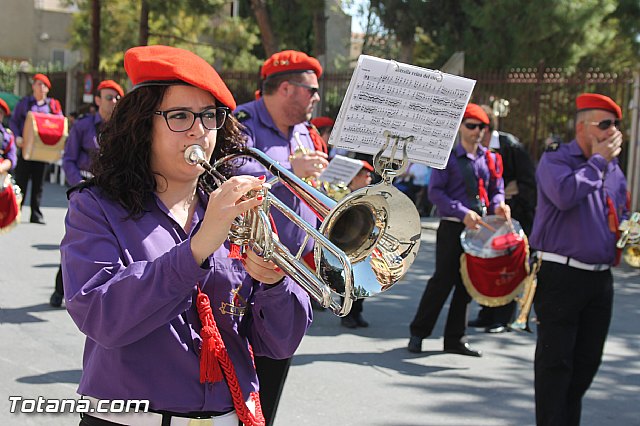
x=19 y=115
x=130 y=286
x=80 y=148
x=572 y=214
x=8 y=147
x=449 y=192
x=263 y=134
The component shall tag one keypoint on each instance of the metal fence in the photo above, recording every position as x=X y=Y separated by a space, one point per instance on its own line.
x=541 y=100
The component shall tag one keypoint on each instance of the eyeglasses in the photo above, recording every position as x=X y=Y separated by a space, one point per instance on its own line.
x=312 y=90
x=472 y=126
x=110 y=98
x=605 y=124
x=181 y=120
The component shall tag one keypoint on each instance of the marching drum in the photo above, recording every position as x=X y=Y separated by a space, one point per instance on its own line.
x=44 y=136
x=495 y=261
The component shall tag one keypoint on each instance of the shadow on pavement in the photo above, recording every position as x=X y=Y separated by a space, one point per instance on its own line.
x=23 y=315
x=395 y=359
x=64 y=376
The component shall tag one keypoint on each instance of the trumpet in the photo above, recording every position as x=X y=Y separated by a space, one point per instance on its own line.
x=366 y=243
x=629 y=239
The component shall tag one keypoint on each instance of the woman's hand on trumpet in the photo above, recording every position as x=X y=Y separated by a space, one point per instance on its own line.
x=309 y=165
x=260 y=269
x=225 y=204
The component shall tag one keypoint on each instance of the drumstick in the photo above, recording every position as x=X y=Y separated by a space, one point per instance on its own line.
x=486 y=225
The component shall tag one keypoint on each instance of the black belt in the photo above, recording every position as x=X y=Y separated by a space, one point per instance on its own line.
x=167 y=415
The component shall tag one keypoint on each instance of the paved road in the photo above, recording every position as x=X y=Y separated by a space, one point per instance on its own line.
x=339 y=377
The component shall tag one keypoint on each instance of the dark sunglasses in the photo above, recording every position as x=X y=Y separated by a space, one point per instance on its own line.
x=110 y=98
x=605 y=124
x=472 y=126
x=312 y=90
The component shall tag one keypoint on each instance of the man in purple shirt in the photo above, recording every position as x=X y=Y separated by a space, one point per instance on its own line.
x=582 y=195
x=169 y=315
x=28 y=170
x=463 y=192
x=275 y=124
x=80 y=148
x=82 y=142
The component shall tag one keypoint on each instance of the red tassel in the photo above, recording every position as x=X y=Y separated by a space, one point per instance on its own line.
x=614 y=224
x=482 y=192
x=234 y=251
x=210 y=370
x=495 y=167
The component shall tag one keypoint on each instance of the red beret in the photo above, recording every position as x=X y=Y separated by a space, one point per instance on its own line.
x=43 y=78
x=596 y=101
x=320 y=122
x=476 y=111
x=366 y=165
x=164 y=65
x=110 y=84
x=5 y=107
x=289 y=62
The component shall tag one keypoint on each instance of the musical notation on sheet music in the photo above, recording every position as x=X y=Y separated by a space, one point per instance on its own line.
x=405 y=100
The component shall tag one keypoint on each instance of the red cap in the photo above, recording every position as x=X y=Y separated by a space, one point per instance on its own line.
x=164 y=65
x=475 y=111
x=289 y=62
x=366 y=165
x=595 y=101
x=43 y=78
x=5 y=107
x=110 y=84
x=320 y=122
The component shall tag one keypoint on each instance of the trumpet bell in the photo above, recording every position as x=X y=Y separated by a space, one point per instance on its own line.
x=378 y=228
x=631 y=255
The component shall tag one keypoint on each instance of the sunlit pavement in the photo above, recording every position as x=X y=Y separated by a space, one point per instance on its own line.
x=339 y=376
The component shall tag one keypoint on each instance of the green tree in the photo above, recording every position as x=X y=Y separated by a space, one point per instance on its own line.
x=499 y=34
x=196 y=25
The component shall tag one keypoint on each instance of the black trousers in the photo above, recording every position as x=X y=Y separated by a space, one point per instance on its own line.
x=356 y=308
x=498 y=314
x=445 y=277
x=31 y=171
x=272 y=374
x=574 y=312
x=59 y=285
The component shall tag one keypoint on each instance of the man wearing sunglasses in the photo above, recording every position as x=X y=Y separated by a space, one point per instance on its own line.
x=582 y=196
x=80 y=148
x=470 y=186
x=276 y=124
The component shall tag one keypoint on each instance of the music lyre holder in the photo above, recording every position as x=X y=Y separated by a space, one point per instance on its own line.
x=390 y=167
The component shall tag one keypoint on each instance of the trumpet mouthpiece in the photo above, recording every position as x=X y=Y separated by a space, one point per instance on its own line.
x=194 y=155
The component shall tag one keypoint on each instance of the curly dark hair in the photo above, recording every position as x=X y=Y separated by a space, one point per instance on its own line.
x=122 y=167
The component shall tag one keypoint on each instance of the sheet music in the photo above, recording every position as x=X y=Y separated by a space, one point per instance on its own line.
x=404 y=100
x=341 y=169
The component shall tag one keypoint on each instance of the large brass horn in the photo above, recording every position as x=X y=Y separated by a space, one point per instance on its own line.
x=629 y=240
x=366 y=242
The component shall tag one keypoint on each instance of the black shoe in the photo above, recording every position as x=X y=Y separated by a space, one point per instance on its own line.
x=56 y=300
x=415 y=345
x=497 y=328
x=361 y=321
x=349 y=322
x=479 y=322
x=37 y=220
x=461 y=348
